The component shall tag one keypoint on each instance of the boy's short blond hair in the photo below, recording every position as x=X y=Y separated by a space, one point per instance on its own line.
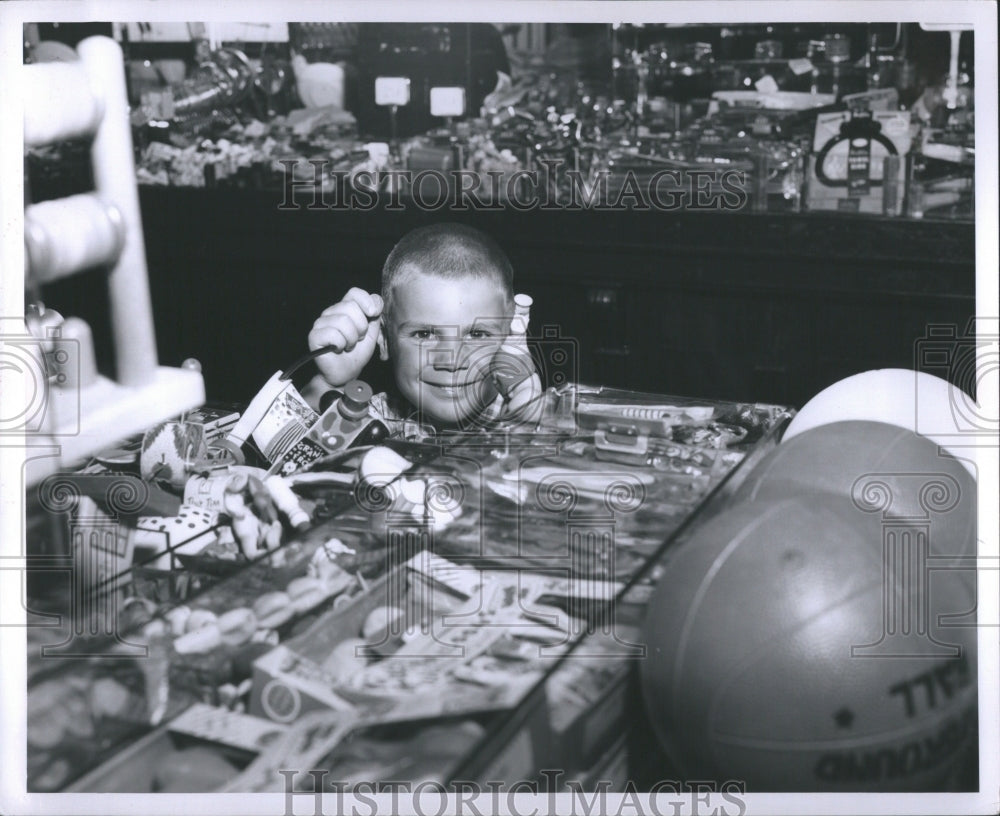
x=449 y=251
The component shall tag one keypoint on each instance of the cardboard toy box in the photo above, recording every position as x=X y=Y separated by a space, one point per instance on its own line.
x=610 y=771
x=287 y=681
x=235 y=737
x=858 y=162
x=290 y=682
x=588 y=696
x=468 y=640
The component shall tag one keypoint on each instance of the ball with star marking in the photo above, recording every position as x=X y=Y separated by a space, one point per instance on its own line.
x=803 y=644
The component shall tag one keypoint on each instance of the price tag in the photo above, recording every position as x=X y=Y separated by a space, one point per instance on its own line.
x=859 y=160
x=766 y=84
x=447 y=101
x=881 y=99
x=392 y=90
x=227 y=727
x=800 y=66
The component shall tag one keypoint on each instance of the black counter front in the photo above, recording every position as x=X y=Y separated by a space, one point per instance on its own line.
x=760 y=307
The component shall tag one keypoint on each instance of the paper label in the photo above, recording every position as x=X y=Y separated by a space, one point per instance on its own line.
x=800 y=66
x=859 y=160
x=447 y=101
x=392 y=90
x=766 y=84
x=287 y=419
x=227 y=727
x=881 y=99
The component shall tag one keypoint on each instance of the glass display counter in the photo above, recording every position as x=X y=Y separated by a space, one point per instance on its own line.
x=395 y=638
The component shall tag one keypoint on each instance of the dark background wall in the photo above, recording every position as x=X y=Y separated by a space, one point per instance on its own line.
x=742 y=306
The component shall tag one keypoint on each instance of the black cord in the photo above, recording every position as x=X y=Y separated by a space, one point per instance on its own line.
x=312 y=355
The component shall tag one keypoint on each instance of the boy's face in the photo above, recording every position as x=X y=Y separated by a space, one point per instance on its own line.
x=442 y=335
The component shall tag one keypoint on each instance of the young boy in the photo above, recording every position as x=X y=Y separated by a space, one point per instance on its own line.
x=445 y=311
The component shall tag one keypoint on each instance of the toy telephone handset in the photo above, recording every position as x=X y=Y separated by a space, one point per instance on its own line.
x=512 y=364
x=229 y=450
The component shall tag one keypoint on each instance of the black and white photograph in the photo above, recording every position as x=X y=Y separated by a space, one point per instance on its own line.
x=575 y=407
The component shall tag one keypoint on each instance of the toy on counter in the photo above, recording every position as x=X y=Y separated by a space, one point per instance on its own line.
x=679 y=438
x=381 y=465
x=252 y=500
x=344 y=424
x=424 y=500
x=226 y=627
x=388 y=655
x=290 y=434
x=200 y=650
x=230 y=510
x=275 y=418
x=205 y=458
x=169 y=450
x=156 y=538
x=193 y=503
x=737 y=649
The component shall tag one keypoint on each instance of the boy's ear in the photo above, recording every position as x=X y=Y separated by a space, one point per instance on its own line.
x=381 y=342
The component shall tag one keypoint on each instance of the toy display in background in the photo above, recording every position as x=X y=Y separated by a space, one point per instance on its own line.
x=858 y=162
x=226 y=119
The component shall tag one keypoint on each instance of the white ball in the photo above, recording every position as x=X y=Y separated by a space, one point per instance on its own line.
x=920 y=402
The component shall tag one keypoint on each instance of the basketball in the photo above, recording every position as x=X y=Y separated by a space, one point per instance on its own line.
x=908 y=399
x=785 y=651
x=887 y=471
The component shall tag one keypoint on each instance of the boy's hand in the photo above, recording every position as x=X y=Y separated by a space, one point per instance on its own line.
x=523 y=406
x=351 y=327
